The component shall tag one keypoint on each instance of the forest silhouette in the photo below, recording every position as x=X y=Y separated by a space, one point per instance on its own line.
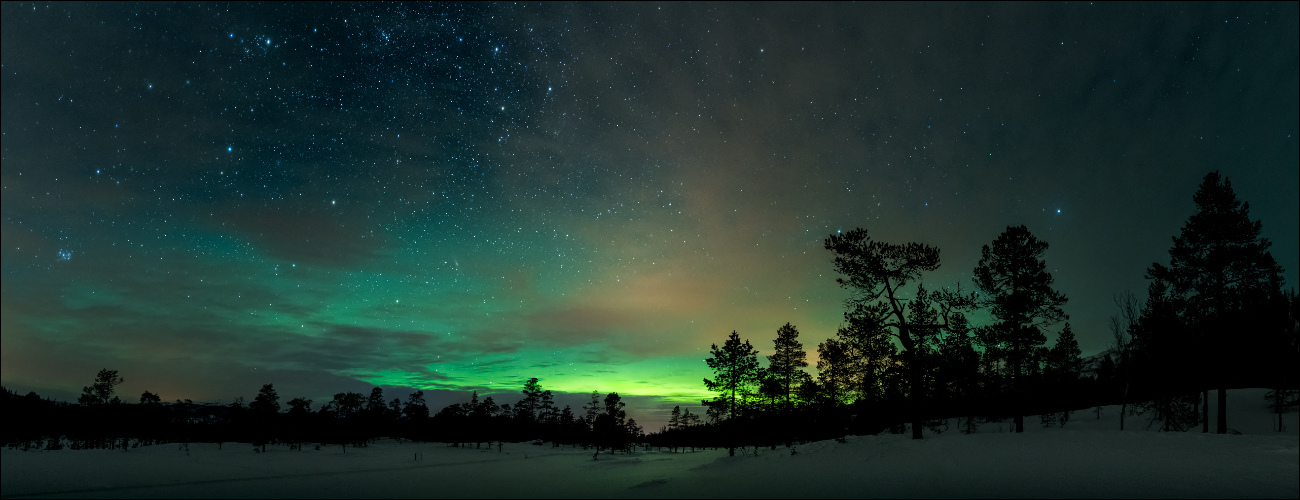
x=906 y=359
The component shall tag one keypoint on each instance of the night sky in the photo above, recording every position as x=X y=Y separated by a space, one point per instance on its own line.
x=209 y=197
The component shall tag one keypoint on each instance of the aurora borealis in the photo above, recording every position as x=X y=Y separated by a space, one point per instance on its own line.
x=209 y=197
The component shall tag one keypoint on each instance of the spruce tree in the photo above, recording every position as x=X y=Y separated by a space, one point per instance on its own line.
x=1017 y=289
x=267 y=402
x=1064 y=364
x=1065 y=355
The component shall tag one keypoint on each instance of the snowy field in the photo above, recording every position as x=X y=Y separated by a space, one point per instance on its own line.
x=1087 y=458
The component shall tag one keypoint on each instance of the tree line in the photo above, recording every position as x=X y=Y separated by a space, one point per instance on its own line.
x=909 y=357
x=100 y=419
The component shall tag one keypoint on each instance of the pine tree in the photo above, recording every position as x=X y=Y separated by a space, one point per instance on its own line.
x=871 y=351
x=1015 y=285
x=689 y=419
x=299 y=406
x=592 y=410
x=375 y=404
x=546 y=407
x=266 y=403
x=634 y=431
x=957 y=372
x=1067 y=354
x=264 y=408
x=528 y=407
x=878 y=272
x=1221 y=292
x=415 y=409
x=614 y=410
x=735 y=369
x=786 y=363
x=835 y=372
x=611 y=428
x=347 y=404
x=1282 y=401
x=1064 y=365
x=926 y=328
x=101 y=392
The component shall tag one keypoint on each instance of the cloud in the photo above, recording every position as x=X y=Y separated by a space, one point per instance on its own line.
x=319 y=236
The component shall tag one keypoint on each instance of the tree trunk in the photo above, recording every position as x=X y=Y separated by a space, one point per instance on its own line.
x=1123 y=406
x=1205 y=411
x=1223 y=410
x=1015 y=390
x=914 y=399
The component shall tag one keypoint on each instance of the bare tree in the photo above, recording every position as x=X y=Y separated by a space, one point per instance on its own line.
x=1121 y=330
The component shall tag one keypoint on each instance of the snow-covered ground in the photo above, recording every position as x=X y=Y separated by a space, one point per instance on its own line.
x=1087 y=458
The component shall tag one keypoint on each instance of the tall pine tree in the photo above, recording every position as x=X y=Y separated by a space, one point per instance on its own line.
x=835 y=372
x=878 y=273
x=267 y=402
x=101 y=392
x=735 y=369
x=871 y=349
x=1221 y=292
x=1016 y=287
x=785 y=366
